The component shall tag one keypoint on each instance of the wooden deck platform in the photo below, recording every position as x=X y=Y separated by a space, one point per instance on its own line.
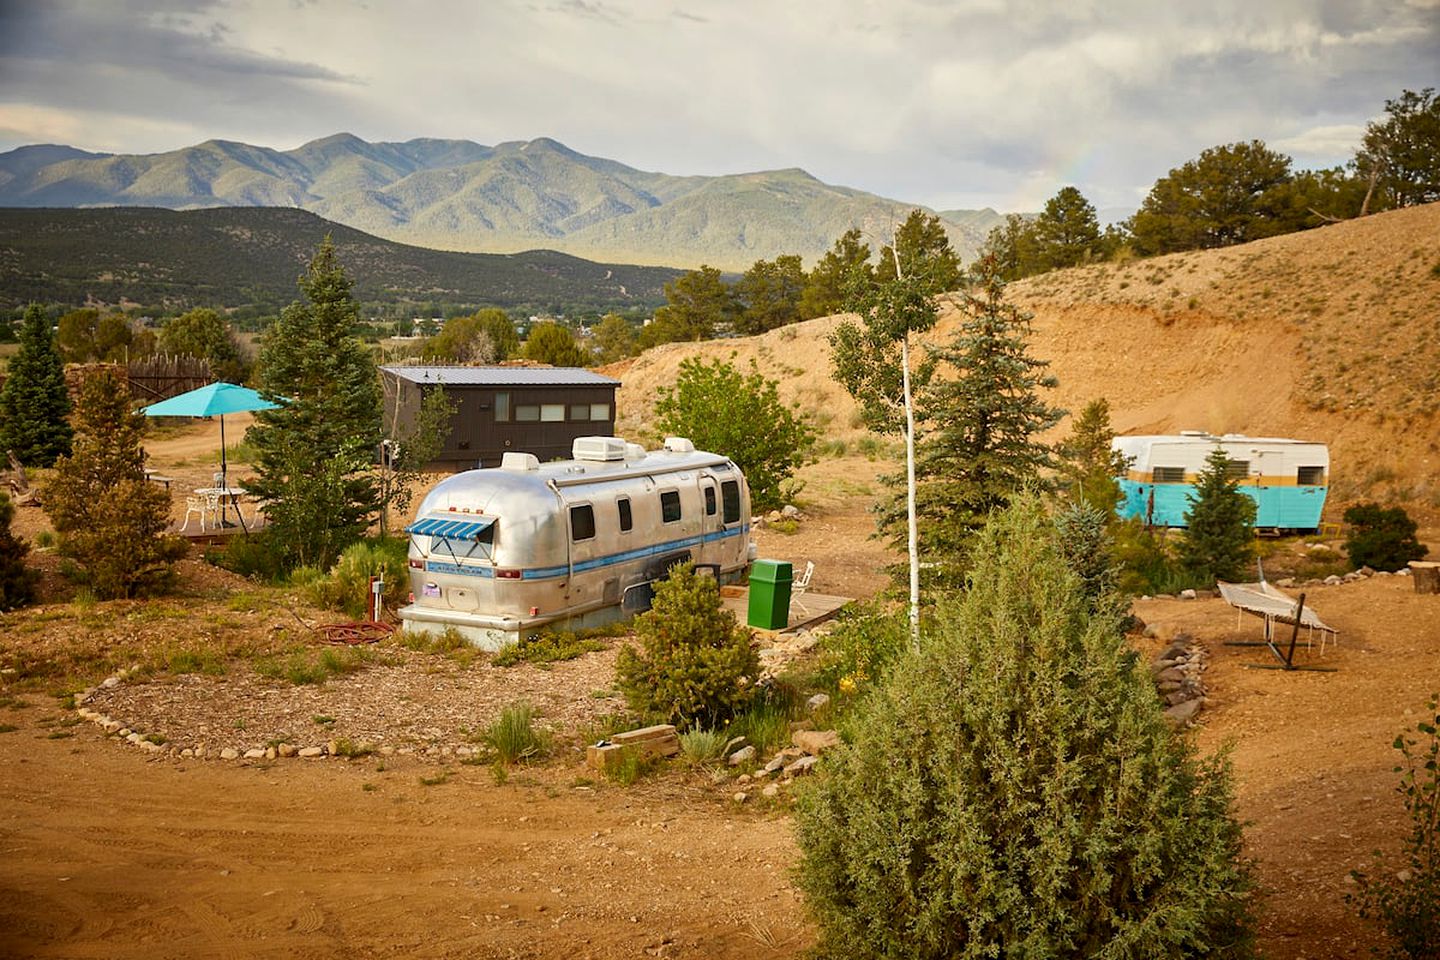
x=805 y=610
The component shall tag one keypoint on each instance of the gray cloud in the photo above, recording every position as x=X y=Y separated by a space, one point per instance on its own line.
x=982 y=102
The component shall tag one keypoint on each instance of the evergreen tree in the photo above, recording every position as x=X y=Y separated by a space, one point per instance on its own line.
x=111 y=521
x=1013 y=789
x=486 y=336
x=769 y=294
x=1089 y=463
x=1068 y=230
x=34 y=403
x=1403 y=150
x=1219 y=536
x=17 y=582
x=614 y=339
x=1381 y=537
x=315 y=449
x=925 y=252
x=979 y=438
x=204 y=333
x=698 y=305
x=825 y=286
x=1015 y=247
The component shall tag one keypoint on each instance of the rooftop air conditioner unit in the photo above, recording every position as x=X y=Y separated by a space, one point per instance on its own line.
x=679 y=445
x=520 y=461
x=603 y=449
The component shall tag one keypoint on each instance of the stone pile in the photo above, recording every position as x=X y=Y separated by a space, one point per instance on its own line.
x=1179 y=673
x=796 y=760
x=787 y=512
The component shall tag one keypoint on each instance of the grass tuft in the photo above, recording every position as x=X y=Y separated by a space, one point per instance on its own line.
x=513 y=736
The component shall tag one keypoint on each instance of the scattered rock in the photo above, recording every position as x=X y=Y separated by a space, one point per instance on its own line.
x=255 y=753
x=288 y=749
x=771 y=790
x=740 y=796
x=731 y=745
x=790 y=512
x=817 y=702
x=1187 y=594
x=1170 y=673
x=229 y=753
x=1285 y=582
x=271 y=753
x=308 y=752
x=816 y=742
x=1332 y=581
x=1366 y=571
x=1183 y=713
x=744 y=778
x=110 y=682
x=801 y=766
x=1176 y=651
x=743 y=755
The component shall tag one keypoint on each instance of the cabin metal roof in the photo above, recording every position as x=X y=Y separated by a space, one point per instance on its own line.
x=504 y=376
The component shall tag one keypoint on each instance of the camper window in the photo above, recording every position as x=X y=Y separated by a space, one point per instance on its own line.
x=502 y=407
x=478 y=547
x=552 y=412
x=626 y=520
x=1310 y=476
x=527 y=413
x=599 y=411
x=730 y=494
x=670 y=505
x=709 y=501
x=1168 y=475
x=1237 y=469
x=582 y=522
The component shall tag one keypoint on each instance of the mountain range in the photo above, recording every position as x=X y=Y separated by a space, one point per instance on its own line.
x=461 y=195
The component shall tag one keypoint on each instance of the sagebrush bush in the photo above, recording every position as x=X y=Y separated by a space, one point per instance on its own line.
x=1382 y=538
x=699 y=745
x=696 y=664
x=1014 y=791
x=17 y=582
x=347 y=586
x=1407 y=901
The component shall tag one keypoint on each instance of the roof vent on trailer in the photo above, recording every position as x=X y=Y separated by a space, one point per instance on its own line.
x=521 y=462
x=678 y=445
x=634 y=451
x=603 y=449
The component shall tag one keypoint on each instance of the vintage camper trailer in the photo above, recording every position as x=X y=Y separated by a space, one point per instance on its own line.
x=498 y=552
x=1287 y=479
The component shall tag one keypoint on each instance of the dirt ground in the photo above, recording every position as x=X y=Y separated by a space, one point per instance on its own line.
x=110 y=853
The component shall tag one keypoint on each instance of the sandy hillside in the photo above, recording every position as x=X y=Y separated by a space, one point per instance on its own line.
x=1329 y=334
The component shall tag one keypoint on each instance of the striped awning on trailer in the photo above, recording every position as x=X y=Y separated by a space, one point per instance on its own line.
x=451 y=527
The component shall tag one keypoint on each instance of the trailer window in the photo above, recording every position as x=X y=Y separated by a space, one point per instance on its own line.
x=626 y=521
x=1237 y=469
x=730 y=497
x=480 y=546
x=502 y=407
x=527 y=413
x=670 y=506
x=1310 y=476
x=599 y=411
x=552 y=412
x=1168 y=475
x=709 y=501
x=582 y=522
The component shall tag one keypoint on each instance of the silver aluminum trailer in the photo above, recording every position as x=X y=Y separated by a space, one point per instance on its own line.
x=500 y=552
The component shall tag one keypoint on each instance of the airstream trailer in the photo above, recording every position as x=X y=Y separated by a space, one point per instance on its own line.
x=498 y=552
x=1287 y=479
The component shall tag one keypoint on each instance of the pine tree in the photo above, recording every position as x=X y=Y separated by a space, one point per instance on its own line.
x=34 y=402
x=111 y=521
x=17 y=582
x=1219 y=526
x=826 y=284
x=314 y=451
x=1089 y=463
x=1013 y=790
x=979 y=440
x=924 y=252
x=1068 y=230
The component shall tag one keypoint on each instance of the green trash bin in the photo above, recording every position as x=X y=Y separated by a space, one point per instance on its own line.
x=770 y=594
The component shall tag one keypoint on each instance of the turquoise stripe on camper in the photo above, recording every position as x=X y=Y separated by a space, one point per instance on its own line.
x=451 y=528
x=1279 y=508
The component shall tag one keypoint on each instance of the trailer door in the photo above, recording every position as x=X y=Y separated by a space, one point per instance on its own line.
x=711 y=525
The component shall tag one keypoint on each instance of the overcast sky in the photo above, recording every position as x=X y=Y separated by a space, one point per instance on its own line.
x=952 y=104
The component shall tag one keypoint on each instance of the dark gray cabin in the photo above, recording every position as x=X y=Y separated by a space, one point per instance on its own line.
x=539 y=410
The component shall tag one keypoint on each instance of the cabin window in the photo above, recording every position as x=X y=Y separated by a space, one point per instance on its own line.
x=1168 y=475
x=552 y=412
x=1310 y=476
x=626 y=520
x=670 y=506
x=1237 y=469
x=527 y=413
x=582 y=522
x=599 y=411
x=709 y=501
x=502 y=407
x=730 y=495
x=579 y=411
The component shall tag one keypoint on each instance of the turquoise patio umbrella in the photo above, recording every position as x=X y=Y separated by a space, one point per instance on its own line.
x=212 y=400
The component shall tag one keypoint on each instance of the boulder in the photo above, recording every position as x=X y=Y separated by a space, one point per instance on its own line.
x=1174 y=652
x=1187 y=594
x=743 y=755
x=1182 y=713
x=816 y=742
x=801 y=766
x=229 y=753
x=1170 y=673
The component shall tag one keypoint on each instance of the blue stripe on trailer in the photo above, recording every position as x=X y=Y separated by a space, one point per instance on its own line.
x=550 y=573
x=1277 y=507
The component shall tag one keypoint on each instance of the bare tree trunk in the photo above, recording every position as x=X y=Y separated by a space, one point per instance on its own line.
x=913 y=528
x=1370 y=190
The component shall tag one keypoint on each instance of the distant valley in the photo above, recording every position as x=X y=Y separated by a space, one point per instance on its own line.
x=464 y=196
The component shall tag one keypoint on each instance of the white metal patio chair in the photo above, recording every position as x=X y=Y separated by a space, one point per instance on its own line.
x=200 y=507
x=802 y=584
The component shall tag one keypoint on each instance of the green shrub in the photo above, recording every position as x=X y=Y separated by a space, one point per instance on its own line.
x=17 y=581
x=695 y=665
x=1144 y=564
x=513 y=736
x=1014 y=791
x=313 y=666
x=631 y=765
x=347 y=586
x=1380 y=537
x=765 y=725
x=857 y=654
x=699 y=745
x=1407 y=901
x=550 y=647
x=258 y=556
